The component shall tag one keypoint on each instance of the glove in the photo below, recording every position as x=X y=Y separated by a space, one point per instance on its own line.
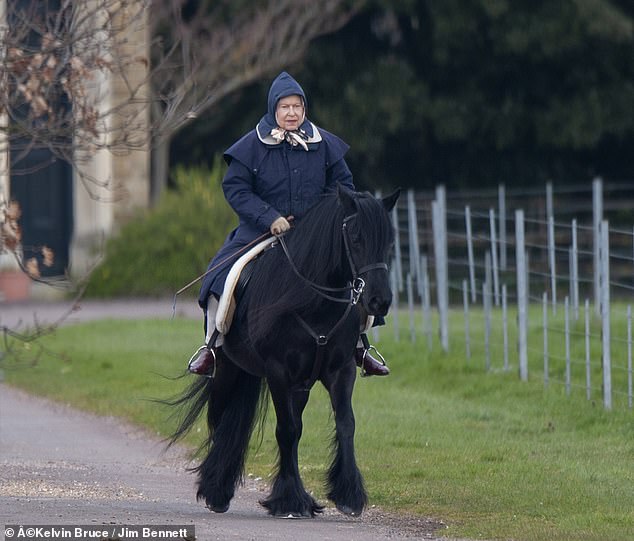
x=280 y=226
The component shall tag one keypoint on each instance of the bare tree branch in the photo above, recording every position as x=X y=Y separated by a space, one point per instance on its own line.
x=208 y=58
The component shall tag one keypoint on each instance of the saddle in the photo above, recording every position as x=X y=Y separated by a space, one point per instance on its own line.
x=236 y=281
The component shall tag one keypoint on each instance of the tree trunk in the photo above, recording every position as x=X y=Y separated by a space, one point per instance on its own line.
x=160 y=168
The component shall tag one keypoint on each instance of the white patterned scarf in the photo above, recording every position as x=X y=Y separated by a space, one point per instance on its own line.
x=294 y=138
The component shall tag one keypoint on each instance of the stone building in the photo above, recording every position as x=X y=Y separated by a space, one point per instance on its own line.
x=60 y=209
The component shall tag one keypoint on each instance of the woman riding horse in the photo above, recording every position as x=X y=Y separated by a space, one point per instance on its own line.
x=296 y=324
x=280 y=169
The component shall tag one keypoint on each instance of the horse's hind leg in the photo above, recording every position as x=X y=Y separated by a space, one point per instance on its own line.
x=288 y=496
x=231 y=415
x=345 y=482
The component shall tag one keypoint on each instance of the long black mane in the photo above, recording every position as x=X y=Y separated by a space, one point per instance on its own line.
x=317 y=249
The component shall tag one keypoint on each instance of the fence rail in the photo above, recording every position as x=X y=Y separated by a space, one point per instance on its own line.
x=562 y=260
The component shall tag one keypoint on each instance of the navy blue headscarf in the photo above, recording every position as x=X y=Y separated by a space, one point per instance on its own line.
x=284 y=85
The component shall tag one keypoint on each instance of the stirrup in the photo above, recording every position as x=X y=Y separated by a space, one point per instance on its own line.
x=196 y=355
x=366 y=350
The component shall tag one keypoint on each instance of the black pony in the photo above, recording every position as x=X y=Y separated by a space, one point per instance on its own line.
x=297 y=323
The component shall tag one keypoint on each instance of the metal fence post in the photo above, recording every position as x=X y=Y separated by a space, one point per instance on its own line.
x=597 y=216
x=494 y=258
x=605 y=314
x=440 y=252
x=522 y=298
x=472 y=283
x=575 y=271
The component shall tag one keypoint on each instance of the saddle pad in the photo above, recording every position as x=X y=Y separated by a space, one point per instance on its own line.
x=227 y=305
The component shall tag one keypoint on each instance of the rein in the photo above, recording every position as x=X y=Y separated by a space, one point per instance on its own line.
x=319 y=289
x=217 y=265
x=355 y=288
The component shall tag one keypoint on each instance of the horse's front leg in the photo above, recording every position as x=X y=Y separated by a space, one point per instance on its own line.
x=345 y=482
x=288 y=496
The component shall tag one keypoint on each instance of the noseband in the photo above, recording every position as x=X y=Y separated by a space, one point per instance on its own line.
x=355 y=288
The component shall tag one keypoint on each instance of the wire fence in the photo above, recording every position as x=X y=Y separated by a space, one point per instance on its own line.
x=535 y=281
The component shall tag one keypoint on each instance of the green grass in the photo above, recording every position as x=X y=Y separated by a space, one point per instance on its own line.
x=493 y=457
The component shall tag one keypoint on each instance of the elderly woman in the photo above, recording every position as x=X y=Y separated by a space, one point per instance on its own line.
x=276 y=171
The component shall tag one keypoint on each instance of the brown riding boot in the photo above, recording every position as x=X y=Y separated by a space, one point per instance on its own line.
x=371 y=366
x=203 y=362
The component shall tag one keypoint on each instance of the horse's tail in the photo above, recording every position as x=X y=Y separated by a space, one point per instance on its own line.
x=222 y=469
x=231 y=417
x=189 y=405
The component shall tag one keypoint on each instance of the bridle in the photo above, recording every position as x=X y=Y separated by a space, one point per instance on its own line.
x=355 y=287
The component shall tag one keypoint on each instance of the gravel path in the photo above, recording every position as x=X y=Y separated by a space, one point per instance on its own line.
x=66 y=467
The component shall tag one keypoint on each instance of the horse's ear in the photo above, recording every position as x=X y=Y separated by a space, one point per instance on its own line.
x=390 y=200
x=346 y=198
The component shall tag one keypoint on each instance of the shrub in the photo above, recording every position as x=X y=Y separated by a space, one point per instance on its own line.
x=161 y=250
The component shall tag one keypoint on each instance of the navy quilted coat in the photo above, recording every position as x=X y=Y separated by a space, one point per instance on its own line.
x=267 y=179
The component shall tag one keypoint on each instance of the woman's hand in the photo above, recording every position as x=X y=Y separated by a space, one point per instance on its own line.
x=279 y=226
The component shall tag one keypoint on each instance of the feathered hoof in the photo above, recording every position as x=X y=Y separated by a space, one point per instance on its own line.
x=307 y=509
x=218 y=508
x=349 y=511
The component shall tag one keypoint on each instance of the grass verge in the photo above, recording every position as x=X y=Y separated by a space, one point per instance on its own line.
x=493 y=457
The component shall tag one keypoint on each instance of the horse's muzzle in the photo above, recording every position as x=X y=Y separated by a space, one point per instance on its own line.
x=378 y=305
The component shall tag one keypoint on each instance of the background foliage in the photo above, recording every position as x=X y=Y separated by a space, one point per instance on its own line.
x=464 y=92
x=159 y=252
